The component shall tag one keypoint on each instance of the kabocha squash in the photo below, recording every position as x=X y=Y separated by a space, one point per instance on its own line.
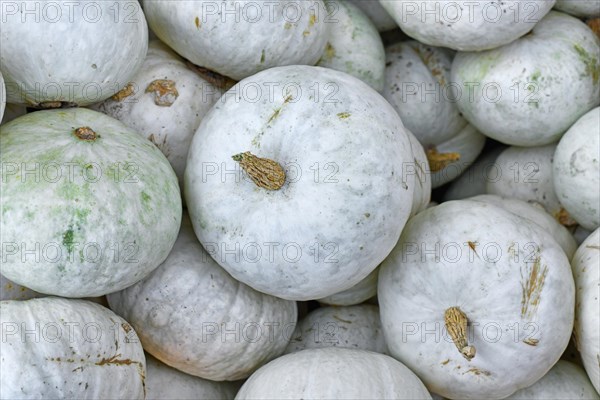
x=467 y=25
x=466 y=308
x=56 y=53
x=586 y=268
x=333 y=373
x=238 y=39
x=55 y=348
x=576 y=170
x=529 y=92
x=193 y=316
x=325 y=190
x=88 y=206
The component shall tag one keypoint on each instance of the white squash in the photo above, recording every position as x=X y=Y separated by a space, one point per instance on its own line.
x=347 y=194
x=55 y=348
x=476 y=313
x=565 y=381
x=361 y=292
x=529 y=92
x=353 y=327
x=467 y=25
x=166 y=383
x=193 y=316
x=376 y=13
x=13 y=291
x=333 y=373
x=422 y=175
x=579 y=8
x=238 y=39
x=586 y=268
x=576 y=170
x=2 y=97
x=88 y=206
x=354 y=45
x=57 y=53
x=164 y=102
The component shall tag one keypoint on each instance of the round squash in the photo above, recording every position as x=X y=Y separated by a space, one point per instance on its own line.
x=333 y=373
x=361 y=292
x=579 y=8
x=529 y=92
x=576 y=170
x=476 y=313
x=238 y=39
x=55 y=348
x=88 y=206
x=467 y=25
x=193 y=316
x=104 y=45
x=586 y=268
x=325 y=188
x=376 y=13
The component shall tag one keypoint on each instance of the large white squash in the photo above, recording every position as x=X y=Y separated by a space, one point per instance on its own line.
x=55 y=348
x=70 y=53
x=326 y=187
x=193 y=316
x=333 y=373
x=475 y=301
x=88 y=206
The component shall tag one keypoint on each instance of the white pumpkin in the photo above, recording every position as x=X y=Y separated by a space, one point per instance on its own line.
x=166 y=383
x=353 y=327
x=422 y=174
x=376 y=13
x=528 y=92
x=565 y=381
x=56 y=53
x=55 y=348
x=579 y=8
x=576 y=170
x=164 y=102
x=238 y=39
x=476 y=302
x=192 y=315
x=354 y=45
x=359 y=293
x=2 y=97
x=88 y=206
x=337 y=213
x=586 y=268
x=333 y=373
x=467 y=25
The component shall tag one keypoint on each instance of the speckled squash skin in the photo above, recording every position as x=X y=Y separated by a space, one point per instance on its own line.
x=354 y=45
x=168 y=119
x=82 y=351
x=511 y=280
x=105 y=44
x=81 y=217
x=376 y=13
x=529 y=92
x=187 y=313
x=253 y=36
x=579 y=8
x=464 y=25
x=333 y=373
x=576 y=170
x=357 y=294
x=586 y=269
x=325 y=231
x=565 y=381
x=166 y=383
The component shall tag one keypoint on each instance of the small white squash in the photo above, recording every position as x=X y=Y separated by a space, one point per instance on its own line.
x=565 y=381
x=77 y=53
x=467 y=25
x=353 y=327
x=192 y=315
x=376 y=13
x=579 y=8
x=55 y=348
x=164 y=102
x=529 y=92
x=333 y=373
x=325 y=191
x=88 y=206
x=166 y=383
x=586 y=268
x=476 y=312
x=354 y=45
x=238 y=39
x=576 y=170
x=357 y=294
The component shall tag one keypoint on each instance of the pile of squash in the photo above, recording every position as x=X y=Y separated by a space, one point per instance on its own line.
x=326 y=199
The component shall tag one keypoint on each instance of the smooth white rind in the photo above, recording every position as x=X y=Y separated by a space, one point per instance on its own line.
x=579 y=8
x=357 y=294
x=376 y=13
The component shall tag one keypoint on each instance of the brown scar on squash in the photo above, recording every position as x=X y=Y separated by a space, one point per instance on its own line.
x=164 y=90
x=438 y=161
x=532 y=287
x=124 y=93
x=531 y=341
x=477 y=371
x=445 y=362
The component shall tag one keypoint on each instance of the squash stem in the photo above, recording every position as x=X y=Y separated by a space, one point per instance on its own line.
x=456 y=323
x=265 y=173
